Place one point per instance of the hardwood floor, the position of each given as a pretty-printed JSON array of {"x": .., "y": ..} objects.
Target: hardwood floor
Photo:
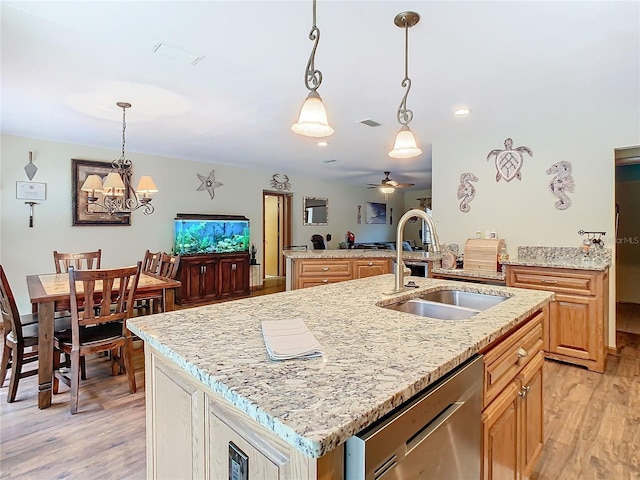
[{"x": 592, "y": 424}]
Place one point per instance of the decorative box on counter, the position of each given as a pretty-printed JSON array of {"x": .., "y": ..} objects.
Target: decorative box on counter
[{"x": 483, "y": 253}]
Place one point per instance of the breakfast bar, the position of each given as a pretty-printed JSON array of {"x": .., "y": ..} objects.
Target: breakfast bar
[{"x": 209, "y": 365}]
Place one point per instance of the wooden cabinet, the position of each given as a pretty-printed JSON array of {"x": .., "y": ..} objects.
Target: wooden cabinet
[
  {"x": 370, "y": 268},
  {"x": 512, "y": 417},
  {"x": 212, "y": 277},
  {"x": 579, "y": 316},
  {"x": 310, "y": 272},
  {"x": 190, "y": 430},
  {"x": 234, "y": 277}
]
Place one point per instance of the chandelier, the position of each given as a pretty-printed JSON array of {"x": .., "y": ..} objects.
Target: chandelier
[
  {"x": 312, "y": 121},
  {"x": 405, "y": 145},
  {"x": 118, "y": 195}
]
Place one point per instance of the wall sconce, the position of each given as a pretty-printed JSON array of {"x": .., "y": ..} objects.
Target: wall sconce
[
  {"x": 312, "y": 121},
  {"x": 405, "y": 145},
  {"x": 118, "y": 193}
]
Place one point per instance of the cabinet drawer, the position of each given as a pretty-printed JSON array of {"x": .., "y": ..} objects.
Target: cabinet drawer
[
  {"x": 504, "y": 361},
  {"x": 315, "y": 281},
  {"x": 325, "y": 269},
  {"x": 558, "y": 280}
]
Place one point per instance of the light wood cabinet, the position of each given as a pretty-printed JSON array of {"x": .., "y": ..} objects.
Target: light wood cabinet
[
  {"x": 190, "y": 430},
  {"x": 512, "y": 417},
  {"x": 579, "y": 316},
  {"x": 310, "y": 272}
]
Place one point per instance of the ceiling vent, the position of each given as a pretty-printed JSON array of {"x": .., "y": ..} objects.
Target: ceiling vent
[
  {"x": 177, "y": 53},
  {"x": 369, "y": 123}
]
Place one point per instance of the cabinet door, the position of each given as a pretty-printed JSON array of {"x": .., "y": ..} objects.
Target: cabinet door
[
  {"x": 573, "y": 326},
  {"x": 369, "y": 268},
  {"x": 208, "y": 280},
  {"x": 191, "y": 281},
  {"x": 531, "y": 415},
  {"x": 234, "y": 276},
  {"x": 500, "y": 435}
]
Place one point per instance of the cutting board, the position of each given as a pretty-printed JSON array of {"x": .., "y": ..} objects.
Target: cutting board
[{"x": 482, "y": 254}]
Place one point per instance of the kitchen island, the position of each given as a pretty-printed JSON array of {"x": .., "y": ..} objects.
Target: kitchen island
[{"x": 208, "y": 374}]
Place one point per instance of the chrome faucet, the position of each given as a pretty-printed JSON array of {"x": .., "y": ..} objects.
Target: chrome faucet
[{"x": 399, "y": 287}]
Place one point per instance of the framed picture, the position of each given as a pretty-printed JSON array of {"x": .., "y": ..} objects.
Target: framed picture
[
  {"x": 376, "y": 213},
  {"x": 94, "y": 215},
  {"x": 31, "y": 191}
]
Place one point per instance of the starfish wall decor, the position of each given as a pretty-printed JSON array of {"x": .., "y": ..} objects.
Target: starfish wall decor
[{"x": 209, "y": 183}]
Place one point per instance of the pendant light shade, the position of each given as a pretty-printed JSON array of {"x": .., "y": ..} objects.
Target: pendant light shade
[
  {"x": 313, "y": 118},
  {"x": 312, "y": 121},
  {"x": 405, "y": 145}
]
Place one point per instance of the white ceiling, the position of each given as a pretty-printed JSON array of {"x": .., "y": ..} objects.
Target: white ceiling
[{"x": 66, "y": 63}]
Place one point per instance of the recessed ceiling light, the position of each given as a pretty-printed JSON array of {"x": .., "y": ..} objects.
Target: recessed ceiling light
[
  {"x": 462, "y": 111},
  {"x": 322, "y": 143}
]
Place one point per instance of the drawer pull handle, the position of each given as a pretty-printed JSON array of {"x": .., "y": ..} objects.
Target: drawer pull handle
[
  {"x": 549, "y": 281},
  {"x": 524, "y": 391},
  {"x": 325, "y": 269},
  {"x": 370, "y": 264},
  {"x": 325, "y": 281},
  {"x": 522, "y": 354}
]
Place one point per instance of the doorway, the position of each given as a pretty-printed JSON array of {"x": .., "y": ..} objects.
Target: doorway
[
  {"x": 627, "y": 183},
  {"x": 276, "y": 214}
]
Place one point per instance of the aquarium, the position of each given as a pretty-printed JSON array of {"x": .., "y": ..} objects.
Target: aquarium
[{"x": 194, "y": 234}]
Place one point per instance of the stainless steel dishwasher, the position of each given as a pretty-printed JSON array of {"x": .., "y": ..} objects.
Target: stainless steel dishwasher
[{"x": 436, "y": 435}]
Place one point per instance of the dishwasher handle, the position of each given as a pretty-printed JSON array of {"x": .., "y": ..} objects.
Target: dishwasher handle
[{"x": 432, "y": 426}]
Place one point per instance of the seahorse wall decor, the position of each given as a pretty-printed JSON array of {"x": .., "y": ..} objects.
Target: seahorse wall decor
[
  {"x": 509, "y": 161},
  {"x": 466, "y": 191},
  {"x": 561, "y": 183}
]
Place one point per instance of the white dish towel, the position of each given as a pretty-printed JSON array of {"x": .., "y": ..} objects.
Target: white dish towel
[{"x": 290, "y": 338}]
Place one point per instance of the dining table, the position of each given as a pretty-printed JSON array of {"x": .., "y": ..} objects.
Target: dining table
[{"x": 49, "y": 293}]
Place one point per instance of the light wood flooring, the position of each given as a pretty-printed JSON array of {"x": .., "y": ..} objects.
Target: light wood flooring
[{"x": 592, "y": 424}]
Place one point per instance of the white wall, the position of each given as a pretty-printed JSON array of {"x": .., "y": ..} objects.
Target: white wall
[
  {"x": 25, "y": 251},
  {"x": 523, "y": 211}
]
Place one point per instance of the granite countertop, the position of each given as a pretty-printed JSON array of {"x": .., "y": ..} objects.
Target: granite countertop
[
  {"x": 374, "y": 358},
  {"x": 360, "y": 253},
  {"x": 461, "y": 272},
  {"x": 562, "y": 257}
]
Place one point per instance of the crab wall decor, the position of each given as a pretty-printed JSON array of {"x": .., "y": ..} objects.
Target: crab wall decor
[
  {"x": 509, "y": 161},
  {"x": 561, "y": 183},
  {"x": 280, "y": 182},
  {"x": 466, "y": 191},
  {"x": 209, "y": 184}
]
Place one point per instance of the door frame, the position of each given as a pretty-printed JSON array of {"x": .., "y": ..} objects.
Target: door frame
[{"x": 285, "y": 216}]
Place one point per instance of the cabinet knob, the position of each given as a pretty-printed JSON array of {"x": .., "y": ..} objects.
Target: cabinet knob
[
  {"x": 325, "y": 269},
  {"x": 233, "y": 266}
]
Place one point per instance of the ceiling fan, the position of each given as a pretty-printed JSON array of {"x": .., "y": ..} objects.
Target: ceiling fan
[{"x": 387, "y": 185}]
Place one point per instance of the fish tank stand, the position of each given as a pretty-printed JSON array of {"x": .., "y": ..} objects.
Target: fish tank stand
[{"x": 214, "y": 262}]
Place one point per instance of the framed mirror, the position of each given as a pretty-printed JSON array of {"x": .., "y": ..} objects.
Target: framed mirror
[{"x": 315, "y": 211}]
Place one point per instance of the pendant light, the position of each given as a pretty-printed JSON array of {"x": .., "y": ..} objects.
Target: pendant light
[
  {"x": 405, "y": 145},
  {"x": 312, "y": 121}
]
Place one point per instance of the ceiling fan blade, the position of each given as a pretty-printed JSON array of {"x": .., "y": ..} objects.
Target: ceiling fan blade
[{"x": 404, "y": 185}]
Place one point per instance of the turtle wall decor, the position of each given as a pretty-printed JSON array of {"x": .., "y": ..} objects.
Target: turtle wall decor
[
  {"x": 466, "y": 191},
  {"x": 509, "y": 161},
  {"x": 561, "y": 183}
]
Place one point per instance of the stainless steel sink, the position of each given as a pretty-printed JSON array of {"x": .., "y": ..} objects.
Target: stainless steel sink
[
  {"x": 476, "y": 301},
  {"x": 425, "y": 308},
  {"x": 448, "y": 304}
]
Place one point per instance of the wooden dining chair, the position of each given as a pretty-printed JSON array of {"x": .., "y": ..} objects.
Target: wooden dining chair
[
  {"x": 169, "y": 266},
  {"x": 79, "y": 261},
  {"x": 101, "y": 324},
  {"x": 20, "y": 345},
  {"x": 151, "y": 262}
]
